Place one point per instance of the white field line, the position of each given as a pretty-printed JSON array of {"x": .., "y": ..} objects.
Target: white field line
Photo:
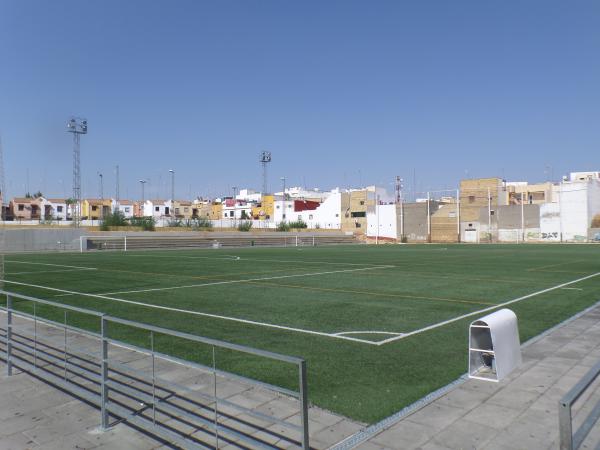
[
  {"x": 241, "y": 258},
  {"x": 52, "y": 265},
  {"x": 49, "y": 271},
  {"x": 500, "y": 305},
  {"x": 198, "y": 313},
  {"x": 217, "y": 283},
  {"x": 344, "y": 333},
  {"x": 572, "y": 289}
]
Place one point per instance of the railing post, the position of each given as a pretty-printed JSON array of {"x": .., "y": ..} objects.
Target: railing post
[
  {"x": 153, "y": 379},
  {"x": 215, "y": 396},
  {"x": 303, "y": 387},
  {"x": 34, "y": 336},
  {"x": 125, "y": 243},
  {"x": 9, "y": 306},
  {"x": 104, "y": 372},
  {"x": 65, "y": 350},
  {"x": 565, "y": 426}
]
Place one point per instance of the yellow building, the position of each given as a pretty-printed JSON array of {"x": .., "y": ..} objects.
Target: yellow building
[
  {"x": 94, "y": 209},
  {"x": 216, "y": 210},
  {"x": 266, "y": 208}
]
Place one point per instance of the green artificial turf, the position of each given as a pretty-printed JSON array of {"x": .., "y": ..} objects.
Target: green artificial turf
[{"x": 336, "y": 289}]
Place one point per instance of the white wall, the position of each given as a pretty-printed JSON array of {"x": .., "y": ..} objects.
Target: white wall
[
  {"x": 550, "y": 226},
  {"x": 573, "y": 199},
  {"x": 384, "y": 219},
  {"x": 326, "y": 216}
]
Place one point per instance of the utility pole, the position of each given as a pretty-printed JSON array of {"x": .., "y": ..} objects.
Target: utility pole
[
  {"x": 2, "y": 195},
  {"x": 172, "y": 172},
  {"x": 400, "y": 201},
  {"x": 117, "y": 199},
  {"x": 283, "y": 199},
  {"x": 77, "y": 127},
  {"x": 489, "y": 214}
]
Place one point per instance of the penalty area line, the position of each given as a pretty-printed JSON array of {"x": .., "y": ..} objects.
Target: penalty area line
[
  {"x": 491, "y": 308},
  {"x": 198, "y": 313}
]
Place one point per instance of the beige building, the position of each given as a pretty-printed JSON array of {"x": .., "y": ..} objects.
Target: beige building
[
  {"x": 529, "y": 194},
  {"x": 480, "y": 193},
  {"x": 355, "y": 204}
]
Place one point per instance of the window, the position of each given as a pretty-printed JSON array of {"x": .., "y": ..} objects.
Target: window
[
  {"x": 492, "y": 212},
  {"x": 299, "y": 217},
  {"x": 176, "y": 210},
  {"x": 277, "y": 206},
  {"x": 230, "y": 213},
  {"x": 127, "y": 210},
  {"x": 358, "y": 214},
  {"x": 289, "y": 206},
  {"x": 310, "y": 217},
  {"x": 284, "y": 216},
  {"x": 337, "y": 215},
  {"x": 357, "y": 224},
  {"x": 471, "y": 199},
  {"x": 94, "y": 208},
  {"x": 59, "y": 208},
  {"x": 186, "y": 209},
  {"x": 156, "y": 208},
  {"x": 362, "y": 202},
  {"x": 21, "y": 207}
]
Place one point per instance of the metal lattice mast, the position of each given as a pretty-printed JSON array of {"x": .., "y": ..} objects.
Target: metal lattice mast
[
  {"x": 265, "y": 158},
  {"x": 78, "y": 127}
]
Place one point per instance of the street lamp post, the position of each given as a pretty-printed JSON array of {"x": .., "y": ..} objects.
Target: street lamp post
[
  {"x": 143, "y": 183},
  {"x": 101, "y": 186}
]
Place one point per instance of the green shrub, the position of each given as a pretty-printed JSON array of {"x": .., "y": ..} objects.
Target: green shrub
[
  {"x": 200, "y": 223},
  {"x": 113, "y": 219},
  {"x": 175, "y": 223},
  {"x": 283, "y": 226},
  {"x": 145, "y": 223},
  {"x": 298, "y": 224},
  {"x": 245, "y": 226}
]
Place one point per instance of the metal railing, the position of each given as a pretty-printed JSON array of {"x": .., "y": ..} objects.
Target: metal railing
[
  {"x": 142, "y": 397},
  {"x": 568, "y": 440}
]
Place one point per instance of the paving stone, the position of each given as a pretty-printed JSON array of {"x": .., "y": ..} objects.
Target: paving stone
[
  {"x": 436, "y": 417},
  {"x": 404, "y": 435},
  {"x": 492, "y": 415},
  {"x": 465, "y": 434}
]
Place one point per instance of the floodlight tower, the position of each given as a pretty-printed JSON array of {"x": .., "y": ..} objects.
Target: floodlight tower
[
  {"x": 77, "y": 126},
  {"x": 265, "y": 158}
]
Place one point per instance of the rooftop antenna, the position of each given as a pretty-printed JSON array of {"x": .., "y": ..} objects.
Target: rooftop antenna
[
  {"x": 265, "y": 158},
  {"x": 77, "y": 126},
  {"x": 398, "y": 189}
]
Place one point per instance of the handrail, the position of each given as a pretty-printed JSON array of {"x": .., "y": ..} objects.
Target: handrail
[
  {"x": 568, "y": 440},
  {"x": 105, "y": 361}
]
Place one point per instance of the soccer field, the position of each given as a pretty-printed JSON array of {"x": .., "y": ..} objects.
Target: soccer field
[{"x": 379, "y": 326}]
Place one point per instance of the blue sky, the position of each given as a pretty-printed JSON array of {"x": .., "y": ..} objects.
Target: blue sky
[{"x": 341, "y": 92}]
